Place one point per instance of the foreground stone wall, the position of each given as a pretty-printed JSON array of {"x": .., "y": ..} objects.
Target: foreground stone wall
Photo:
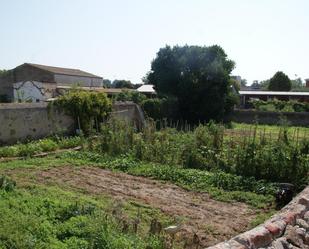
[
  {"x": 250, "y": 117},
  {"x": 31, "y": 121},
  {"x": 21, "y": 121},
  {"x": 287, "y": 229}
]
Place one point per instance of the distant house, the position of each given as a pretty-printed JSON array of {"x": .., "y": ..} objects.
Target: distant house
[
  {"x": 35, "y": 83},
  {"x": 147, "y": 90}
]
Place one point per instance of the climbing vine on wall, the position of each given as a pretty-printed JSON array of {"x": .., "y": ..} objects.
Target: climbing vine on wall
[{"x": 87, "y": 108}]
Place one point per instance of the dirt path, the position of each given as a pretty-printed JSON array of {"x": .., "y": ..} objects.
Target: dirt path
[{"x": 212, "y": 220}]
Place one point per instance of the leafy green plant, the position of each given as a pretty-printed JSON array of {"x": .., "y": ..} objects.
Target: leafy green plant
[
  {"x": 88, "y": 108},
  {"x": 6, "y": 183},
  {"x": 276, "y": 105}
]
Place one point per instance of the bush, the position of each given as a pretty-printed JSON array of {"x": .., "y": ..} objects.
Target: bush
[
  {"x": 42, "y": 145},
  {"x": 152, "y": 108},
  {"x": 134, "y": 96},
  {"x": 280, "y": 106},
  {"x": 6, "y": 183},
  {"x": 88, "y": 108},
  {"x": 279, "y": 160}
]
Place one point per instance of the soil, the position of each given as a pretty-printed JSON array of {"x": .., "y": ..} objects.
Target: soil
[{"x": 212, "y": 221}]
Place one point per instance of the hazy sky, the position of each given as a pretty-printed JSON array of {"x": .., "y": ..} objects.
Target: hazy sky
[{"x": 119, "y": 39}]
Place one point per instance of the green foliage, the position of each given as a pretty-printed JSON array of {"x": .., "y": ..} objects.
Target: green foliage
[
  {"x": 276, "y": 105},
  {"x": 42, "y": 145},
  {"x": 50, "y": 218},
  {"x": 86, "y": 107},
  {"x": 153, "y": 108},
  {"x": 122, "y": 84},
  {"x": 161, "y": 108},
  {"x": 220, "y": 185},
  {"x": 207, "y": 148},
  {"x": 198, "y": 77},
  {"x": 6, "y": 183},
  {"x": 134, "y": 96},
  {"x": 280, "y": 82},
  {"x": 107, "y": 83}
]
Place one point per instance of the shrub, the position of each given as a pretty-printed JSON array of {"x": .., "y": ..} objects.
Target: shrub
[
  {"x": 88, "y": 108},
  {"x": 152, "y": 108},
  {"x": 206, "y": 147},
  {"x": 6, "y": 183},
  {"x": 134, "y": 96},
  {"x": 280, "y": 106}
]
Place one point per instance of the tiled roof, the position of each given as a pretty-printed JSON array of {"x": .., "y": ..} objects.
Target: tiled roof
[{"x": 64, "y": 71}]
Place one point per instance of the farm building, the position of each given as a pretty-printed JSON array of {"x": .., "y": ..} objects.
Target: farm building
[
  {"x": 35, "y": 83},
  {"x": 246, "y": 96}
]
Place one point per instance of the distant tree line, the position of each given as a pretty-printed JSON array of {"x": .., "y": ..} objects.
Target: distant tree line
[
  {"x": 280, "y": 82},
  {"x": 120, "y": 84}
]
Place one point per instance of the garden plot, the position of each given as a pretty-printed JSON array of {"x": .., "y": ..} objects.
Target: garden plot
[{"x": 211, "y": 220}]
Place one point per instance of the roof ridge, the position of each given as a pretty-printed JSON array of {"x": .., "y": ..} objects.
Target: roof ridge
[{"x": 62, "y": 70}]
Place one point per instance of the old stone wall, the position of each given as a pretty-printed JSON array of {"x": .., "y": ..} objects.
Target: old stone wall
[
  {"x": 250, "y": 117},
  {"x": 31, "y": 121},
  {"x": 21, "y": 121},
  {"x": 130, "y": 112},
  {"x": 289, "y": 228}
]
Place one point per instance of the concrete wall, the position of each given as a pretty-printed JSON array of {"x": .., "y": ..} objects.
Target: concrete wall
[
  {"x": 130, "y": 112},
  {"x": 20, "y": 121},
  {"x": 31, "y": 120},
  {"x": 67, "y": 80},
  {"x": 250, "y": 117}
]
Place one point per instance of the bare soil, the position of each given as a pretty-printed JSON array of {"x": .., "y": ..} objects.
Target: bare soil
[{"x": 213, "y": 221}]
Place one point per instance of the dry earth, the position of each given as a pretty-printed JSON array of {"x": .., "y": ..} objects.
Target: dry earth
[{"x": 213, "y": 221}]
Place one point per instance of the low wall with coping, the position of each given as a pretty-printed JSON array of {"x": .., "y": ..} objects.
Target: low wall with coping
[
  {"x": 289, "y": 228},
  {"x": 272, "y": 118},
  {"x": 21, "y": 121}
]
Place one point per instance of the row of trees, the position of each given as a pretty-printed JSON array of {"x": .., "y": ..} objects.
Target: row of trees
[{"x": 120, "y": 84}]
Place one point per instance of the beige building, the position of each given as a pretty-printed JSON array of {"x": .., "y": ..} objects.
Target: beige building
[{"x": 34, "y": 83}]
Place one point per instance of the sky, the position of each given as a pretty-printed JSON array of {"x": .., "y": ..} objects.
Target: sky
[{"x": 118, "y": 39}]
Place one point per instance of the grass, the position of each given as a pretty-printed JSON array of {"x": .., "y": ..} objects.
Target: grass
[
  {"x": 294, "y": 132},
  {"x": 49, "y": 217},
  {"x": 39, "y": 146}
]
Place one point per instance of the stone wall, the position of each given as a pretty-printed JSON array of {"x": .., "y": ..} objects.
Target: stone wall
[
  {"x": 287, "y": 229},
  {"x": 31, "y": 121},
  {"x": 250, "y": 117},
  {"x": 21, "y": 121},
  {"x": 130, "y": 112}
]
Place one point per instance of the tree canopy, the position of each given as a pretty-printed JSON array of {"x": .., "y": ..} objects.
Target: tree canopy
[
  {"x": 280, "y": 82},
  {"x": 198, "y": 77},
  {"x": 123, "y": 84}
]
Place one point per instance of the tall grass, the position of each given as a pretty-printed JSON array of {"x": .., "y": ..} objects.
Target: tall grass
[
  {"x": 39, "y": 146},
  {"x": 208, "y": 147}
]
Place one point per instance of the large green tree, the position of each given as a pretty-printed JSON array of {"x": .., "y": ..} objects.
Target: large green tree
[
  {"x": 280, "y": 82},
  {"x": 198, "y": 77}
]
